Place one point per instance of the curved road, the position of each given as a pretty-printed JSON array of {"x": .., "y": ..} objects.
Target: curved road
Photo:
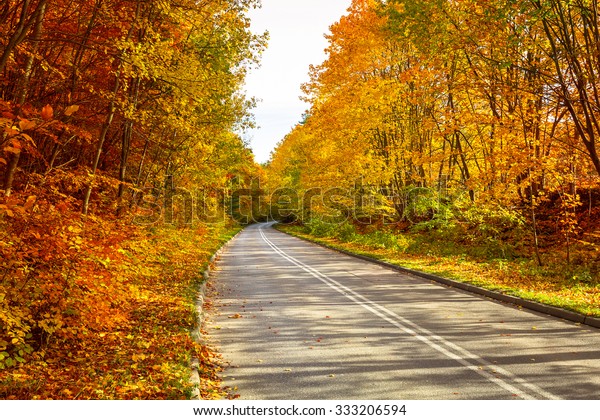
[{"x": 296, "y": 321}]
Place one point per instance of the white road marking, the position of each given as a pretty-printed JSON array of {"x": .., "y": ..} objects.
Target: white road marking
[{"x": 501, "y": 377}]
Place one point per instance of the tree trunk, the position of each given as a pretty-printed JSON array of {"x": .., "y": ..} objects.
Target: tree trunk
[
  {"x": 30, "y": 60},
  {"x": 126, "y": 141},
  {"x": 10, "y": 173},
  {"x": 26, "y": 21},
  {"x": 13, "y": 164},
  {"x": 82, "y": 46},
  {"x": 105, "y": 127}
]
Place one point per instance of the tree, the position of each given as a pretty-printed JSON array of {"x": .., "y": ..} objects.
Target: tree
[{"x": 491, "y": 101}]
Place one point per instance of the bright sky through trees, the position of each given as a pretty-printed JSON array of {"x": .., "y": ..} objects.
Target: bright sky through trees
[{"x": 296, "y": 29}]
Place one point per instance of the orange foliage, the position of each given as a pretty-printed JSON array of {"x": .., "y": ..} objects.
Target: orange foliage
[{"x": 97, "y": 308}]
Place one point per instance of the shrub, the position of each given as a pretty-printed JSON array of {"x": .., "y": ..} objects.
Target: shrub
[
  {"x": 320, "y": 228},
  {"x": 346, "y": 232}
]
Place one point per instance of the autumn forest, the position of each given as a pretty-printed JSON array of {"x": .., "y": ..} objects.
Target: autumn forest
[{"x": 458, "y": 137}]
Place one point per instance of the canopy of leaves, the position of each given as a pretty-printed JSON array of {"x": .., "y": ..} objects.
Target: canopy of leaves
[{"x": 480, "y": 99}]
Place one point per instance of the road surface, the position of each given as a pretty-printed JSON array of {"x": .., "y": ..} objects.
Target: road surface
[{"x": 296, "y": 321}]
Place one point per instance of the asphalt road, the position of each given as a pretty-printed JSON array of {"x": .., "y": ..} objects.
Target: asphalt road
[{"x": 296, "y": 321}]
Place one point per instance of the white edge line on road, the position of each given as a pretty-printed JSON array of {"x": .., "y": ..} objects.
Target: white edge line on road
[{"x": 436, "y": 342}]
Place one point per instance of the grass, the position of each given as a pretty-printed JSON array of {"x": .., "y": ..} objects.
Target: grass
[{"x": 556, "y": 284}]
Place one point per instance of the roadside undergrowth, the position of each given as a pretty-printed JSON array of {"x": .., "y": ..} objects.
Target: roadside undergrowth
[{"x": 101, "y": 309}]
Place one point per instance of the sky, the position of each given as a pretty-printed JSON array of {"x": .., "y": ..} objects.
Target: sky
[{"x": 296, "y": 40}]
